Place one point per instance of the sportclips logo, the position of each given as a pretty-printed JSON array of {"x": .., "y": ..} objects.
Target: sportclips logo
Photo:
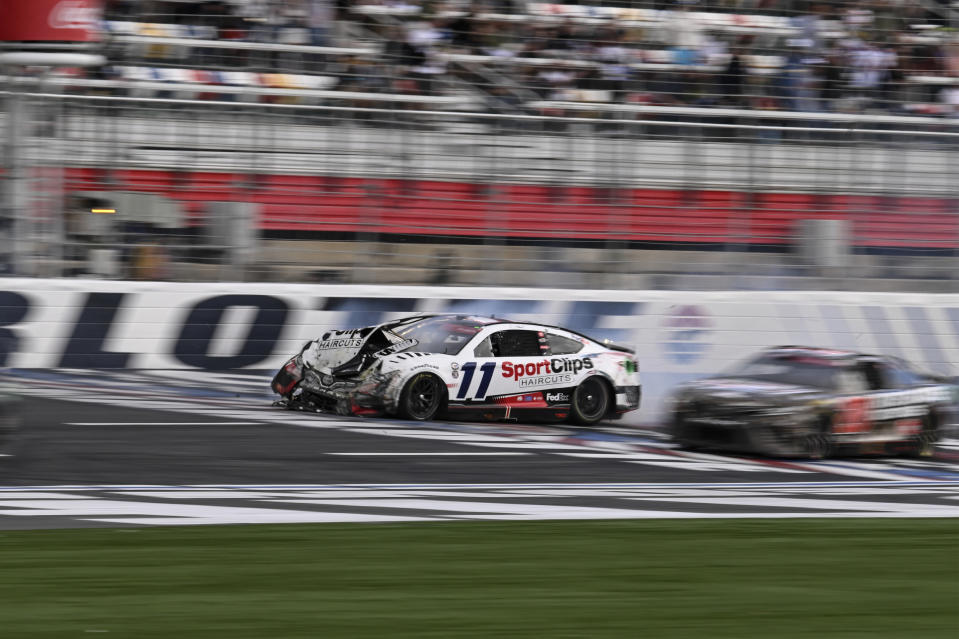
[
  {"x": 550, "y": 371},
  {"x": 74, "y": 14}
]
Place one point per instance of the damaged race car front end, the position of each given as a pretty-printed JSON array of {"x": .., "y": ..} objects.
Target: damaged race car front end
[
  {"x": 341, "y": 374},
  {"x": 327, "y": 392}
]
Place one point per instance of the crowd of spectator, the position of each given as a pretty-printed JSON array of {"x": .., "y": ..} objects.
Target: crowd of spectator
[{"x": 889, "y": 56}]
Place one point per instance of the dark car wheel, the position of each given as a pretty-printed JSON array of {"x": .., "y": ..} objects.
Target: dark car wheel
[
  {"x": 422, "y": 397},
  {"x": 9, "y": 431},
  {"x": 590, "y": 401},
  {"x": 817, "y": 443},
  {"x": 678, "y": 431},
  {"x": 923, "y": 444}
]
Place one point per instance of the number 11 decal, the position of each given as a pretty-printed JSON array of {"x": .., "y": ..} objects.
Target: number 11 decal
[{"x": 467, "y": 370}]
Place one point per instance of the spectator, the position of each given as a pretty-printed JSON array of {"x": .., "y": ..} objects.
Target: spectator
[
  {"x": 869, "y": 68},
  {"x": 828, "y": 76},
  {"x": 562, "y": 37},
  {"x": 504, "y": 100},
  {"x": 950, "y": 59},
  {"x": 499, "y": 38},
  {"x": 684, "y": 34},
  {"x": 555, "y": 82},
  {"x": 319, "y": 17},
  {"x": 879, "y": 50},
  {"x": 797, "y": 82},
  {"x": 887, "y": 20},
  {"x": 950, "y": 100},
  {"x": 614, "y": 73},
  {"x": 892, "y": 79},
  {"x": 731, "y": 80},
  {"x": 398, "y": 51},
  {"x": 267, "y": 19},
  {"x": 811, "y": 25},
  {"x": 858, "y": 19},
  {"x": 463, "y": 28}
]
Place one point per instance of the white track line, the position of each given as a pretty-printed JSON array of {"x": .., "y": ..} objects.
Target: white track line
[
  {"x": 417, "y": 454},
  {"x": 163, "y": 423}
]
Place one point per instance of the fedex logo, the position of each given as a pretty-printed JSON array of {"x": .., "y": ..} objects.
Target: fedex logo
[{"x": 516, "y": 370}]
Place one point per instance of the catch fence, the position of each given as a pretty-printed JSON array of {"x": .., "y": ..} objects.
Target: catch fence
[{"x": 599, "y": 196}]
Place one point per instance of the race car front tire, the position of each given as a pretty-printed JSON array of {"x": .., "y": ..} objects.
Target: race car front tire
[
  {"x": 422, "y": 397},
  {"x": 678, "y": 431},
  {"x": 590, "y": 401},
  {"x": 817, "y": 442}
]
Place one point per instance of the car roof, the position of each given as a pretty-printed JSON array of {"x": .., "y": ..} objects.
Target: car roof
[
  {"x": 489, "y": 320},
  {"x": 462, "y": 317},
  {"x": 815, "y": 352}
]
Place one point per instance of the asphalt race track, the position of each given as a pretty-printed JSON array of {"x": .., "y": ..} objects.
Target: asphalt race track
[{"x": 151, "y": 448}]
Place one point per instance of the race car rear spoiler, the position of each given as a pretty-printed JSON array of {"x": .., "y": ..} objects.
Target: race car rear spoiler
[
  {"x": 610, "y": 344},
  {"x": 613, "y": 346}
]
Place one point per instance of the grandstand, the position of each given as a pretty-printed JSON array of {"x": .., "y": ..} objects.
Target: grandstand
[{"x": 733, "y": 143}]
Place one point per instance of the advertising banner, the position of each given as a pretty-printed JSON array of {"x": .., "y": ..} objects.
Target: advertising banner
[
  {"x": 49, "y": 20},
  {"x": 678, "y": 335}
]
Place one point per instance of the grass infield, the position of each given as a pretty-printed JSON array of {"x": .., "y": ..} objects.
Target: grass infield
[{"x": 862, "y": 578}]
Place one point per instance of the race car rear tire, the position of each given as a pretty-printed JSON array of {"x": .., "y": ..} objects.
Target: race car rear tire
[
  {"x": 590, "y": 401},
  {"x": 923, "y": 444},
  {"x": 422, "y": 398}
]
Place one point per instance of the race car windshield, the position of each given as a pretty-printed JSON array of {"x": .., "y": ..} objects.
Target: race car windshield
[
  {"x": 813, "y": 373},
  {"x": 439, "y": 334}
]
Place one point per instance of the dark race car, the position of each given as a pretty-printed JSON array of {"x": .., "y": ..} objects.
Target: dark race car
[{"x": 795, "y": 401}]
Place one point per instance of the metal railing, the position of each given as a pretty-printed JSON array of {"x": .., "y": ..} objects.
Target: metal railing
[{"x": 629, "y": 196}]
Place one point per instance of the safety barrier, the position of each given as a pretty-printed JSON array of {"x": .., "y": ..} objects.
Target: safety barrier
[
  {"x": 317, "y": 206},
  {"x": 742, "y": 190},
  {"x": 678, "y": 335}
]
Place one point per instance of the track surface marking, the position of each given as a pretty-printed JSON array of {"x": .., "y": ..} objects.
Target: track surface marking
[{"x": 89, "y": 431}]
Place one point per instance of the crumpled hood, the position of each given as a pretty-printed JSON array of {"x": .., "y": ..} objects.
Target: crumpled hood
[
  {"x": 353, "y": 350},
  {"x": 336, "y": 347}
]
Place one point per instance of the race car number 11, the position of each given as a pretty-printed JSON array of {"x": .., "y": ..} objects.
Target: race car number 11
[{"x": 468, "y": 369}]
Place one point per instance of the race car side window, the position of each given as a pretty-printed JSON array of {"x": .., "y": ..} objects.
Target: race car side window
[
  {"x": 901, "y": 377},
  {"x": 559, "y": 345},
  {"x": 511, "y": 343},
  {"x": 852, "y": 381},
  {"x": 485, "y": 349},
  {"x": 874, "y": 376}
]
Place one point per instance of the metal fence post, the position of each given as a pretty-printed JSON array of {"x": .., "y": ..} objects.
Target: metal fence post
[{"x": 14, "y": 187}]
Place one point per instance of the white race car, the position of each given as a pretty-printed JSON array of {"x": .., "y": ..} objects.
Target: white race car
[{"x": 462, "y": 366}]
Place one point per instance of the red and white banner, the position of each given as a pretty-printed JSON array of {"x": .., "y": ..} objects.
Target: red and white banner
[{"x": 49, "y": 20}]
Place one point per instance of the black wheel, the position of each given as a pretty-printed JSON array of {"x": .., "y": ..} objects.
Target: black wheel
[
  {"x": 817, "y": 442},
  {"x": 422, "y": 397},
  {"x": 923, "y": 443},
  {"x": 590, "y": 401},
  {"x": 10, "y": 435}
]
